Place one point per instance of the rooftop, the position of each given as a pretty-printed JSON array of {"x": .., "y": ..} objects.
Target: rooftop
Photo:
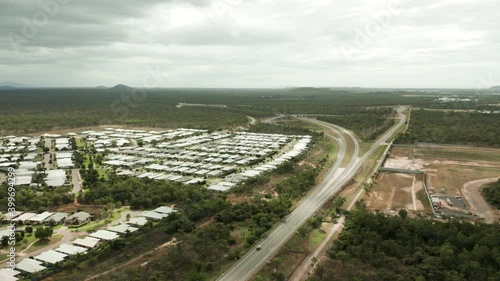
[
  {"x": 30, "y": 266},
  {"x": 71, "y": 250},
  {"x": 122, "y": 228},
  {"x": 104, "y": 235},
  {"x": 88, "y": 242},
  {"x": 51, "y": 257}
]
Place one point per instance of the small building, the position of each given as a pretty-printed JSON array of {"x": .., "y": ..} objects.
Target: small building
[
  {"x": 55, "y": 178},
  {"x": 7, "y": 274},
  {"x": 104, "y": 235},
  {"x": 30, "y": 266},
  {"x": 71, "y": 250},
  {"x": 87, "y": 242},
  {"x": 78, "y": 218},
  {"x": 138, "y": 221},
  {"x": 40, "y": 218},
  {"x": 150, "y": 215},
  {"x": 51, "y": 257},
  {"x": 436, "y": 202},
  {"x": 24, "y": 218},
  {"x": 123, "y": 228},
  {"x": 164, "y": 210},
  {"x": 57, "y": 218}
]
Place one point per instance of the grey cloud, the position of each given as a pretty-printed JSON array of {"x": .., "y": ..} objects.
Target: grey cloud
[{"x": 270, "y": 42}]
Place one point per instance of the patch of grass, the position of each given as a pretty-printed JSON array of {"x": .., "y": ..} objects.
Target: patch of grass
[
  {"x": 79, "y": 143},
  {"x": 422, "y": 196},
  {"x": 44, "y": 243},
  {"x": 59, "y": 226},
  {"x": 103, "y": 173},
  {"x": 86, "y": 160},
  {"x": 94, "y": 225},
  {"x": 349, "y": 151},
  {"x": 369, "y": 164},
  {"x": 317, "y": 236},
  {"x": 3, "y": 257},
  {"x": 470, "y": 154},
  {"x": 20, "y": 246}
]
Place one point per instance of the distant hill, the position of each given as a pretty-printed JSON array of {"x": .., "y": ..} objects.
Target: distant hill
[
  {"x": 495, "y": 88},
  {"x": 101, "y": 87},
  {"x": 121, "y": 88},
  {"x": 11, "y": 85}
]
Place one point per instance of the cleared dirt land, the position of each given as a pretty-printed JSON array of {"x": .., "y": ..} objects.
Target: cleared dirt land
[
  {"x": 449, "y": 169},
  {"x": 394, "y": 191}
]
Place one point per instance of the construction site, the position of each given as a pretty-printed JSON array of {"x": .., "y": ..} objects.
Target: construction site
[{"x": 444, "y": 181}]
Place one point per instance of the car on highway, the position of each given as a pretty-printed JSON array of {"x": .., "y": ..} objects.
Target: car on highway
[{"x": 259, "y": 247}]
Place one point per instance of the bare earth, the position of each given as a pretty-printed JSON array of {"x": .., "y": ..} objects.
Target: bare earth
[
  {"x": 404, "y": 163},
  {"x": 472, "y": 192},
  {"x": 394, "y": 191},
  {"x": 450, "y": 170}
]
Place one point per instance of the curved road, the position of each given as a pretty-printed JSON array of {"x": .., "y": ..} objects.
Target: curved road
[
  {"x": 253, "y": 259},
  {"x": 250, "y": 263}
]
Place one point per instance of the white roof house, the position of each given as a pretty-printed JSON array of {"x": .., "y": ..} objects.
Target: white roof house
[
  {"x": 22, "y": 180},
  {"x": 65, "y": 163},
  {"x": 51, "y": 257},
  {"x": 30, "y": 266},
  {"x": 55, "y": 178},
  {"x": 164, "y": 210},
  {"x": 57, "y": 217},
  {"x": 150, "y": 215},
  {"x": 139, "y": 221},
  {"x": 87, "y": 242},
  {"x": 8, "y": 275},
  {"x": 25, "y": 217},
  {"x": 122, "y": 228},
  {"x": 219, "y": 187},
  {"x": 40, "y": 217},
  {"x": 4, "y": 232},
  {"x": 104, "y": 235},
  {"x": 71, "y": 250}
]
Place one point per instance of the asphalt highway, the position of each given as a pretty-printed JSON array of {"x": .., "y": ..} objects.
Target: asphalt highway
[{"x": 336, "y": 177}]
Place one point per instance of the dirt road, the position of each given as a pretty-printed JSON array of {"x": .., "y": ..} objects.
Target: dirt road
[
  {"x": 472, "y": 193},
  {"x": 305, "y": 266},
  {"x": 167, "y": 244}
]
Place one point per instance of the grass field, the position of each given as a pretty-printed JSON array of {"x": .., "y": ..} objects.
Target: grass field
[
  {"x": 21, "y": 245},
  {"x": 44, "y": 243},
  {"x": 459, "y": 153},
  {"x": 103, "y": 173},
  {"x": 316, "y": 237},
  {"x": 96, "y": 224},
  {"x": 79, "y": 143}
]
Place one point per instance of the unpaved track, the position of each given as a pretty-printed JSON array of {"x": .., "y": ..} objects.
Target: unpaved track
[
  {"x": 167, "y": 244},
  {"x": 391, "y": 198},
  {"x": 472, "y": 193},
  {"x": 299, "y": 273},
  {"x": 413, "y": 194}
]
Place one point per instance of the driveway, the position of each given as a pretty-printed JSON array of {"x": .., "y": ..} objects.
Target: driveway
[{"x": 75, "y": 177}]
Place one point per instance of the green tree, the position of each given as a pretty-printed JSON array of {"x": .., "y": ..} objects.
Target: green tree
[
  {"x": 403, "y": 213},
  {"x": 43, "y": 232}
]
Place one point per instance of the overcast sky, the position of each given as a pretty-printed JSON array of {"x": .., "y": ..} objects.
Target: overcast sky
[{"x": 251, "y": 43}]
